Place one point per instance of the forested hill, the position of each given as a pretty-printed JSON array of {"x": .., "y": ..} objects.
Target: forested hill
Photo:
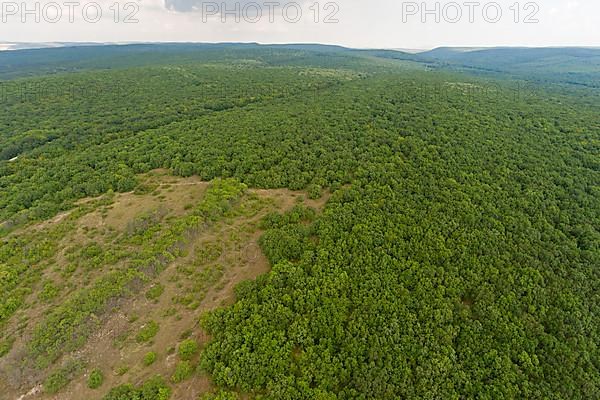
[
  {"x": 452, "y": 249},
  {"x": 570, "y": 65},
  {"x": 32, "y": 62}
]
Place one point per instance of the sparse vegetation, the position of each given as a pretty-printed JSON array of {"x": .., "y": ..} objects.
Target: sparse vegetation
[
  {"x": 69, "y": 325},
  {"x": 6, "y": 345},
  {"x": 61, "y": 377},
  {"x": 49, "y": 292}
]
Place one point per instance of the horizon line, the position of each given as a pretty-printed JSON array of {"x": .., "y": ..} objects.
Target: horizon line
[{"x": 6, "y": 45}]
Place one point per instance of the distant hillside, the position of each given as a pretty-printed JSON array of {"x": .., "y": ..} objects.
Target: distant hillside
[
  {"x": 43, "y": 61},
  {"x": 572, "y": 65}
]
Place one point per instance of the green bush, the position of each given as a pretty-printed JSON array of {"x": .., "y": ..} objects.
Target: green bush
[
  {"x": 95, "y": 379},
  {"x": 187, "y": 349},
  {"x": 149, "y": 358},
  {"x": 155, "y": 292},
  {"x": 183, "y": 371},
  {"x": 147, "y": 332},
  {"x": 153, "y": 389},
  {"x": 314, "y": 192}
]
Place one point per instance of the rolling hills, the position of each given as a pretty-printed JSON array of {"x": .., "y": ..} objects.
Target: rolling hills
[{"x": 297, "y": 222}]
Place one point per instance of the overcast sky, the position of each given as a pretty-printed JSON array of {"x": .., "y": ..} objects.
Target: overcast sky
[{"x": 354, "y": 23}]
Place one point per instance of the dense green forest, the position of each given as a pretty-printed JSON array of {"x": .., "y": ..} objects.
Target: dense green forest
[{"x": 458, "y": 256}]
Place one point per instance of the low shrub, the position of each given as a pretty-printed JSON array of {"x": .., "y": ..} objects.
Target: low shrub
[
  {"x": 147, "y": 332},
  {"x": 95, "y": 379},
  {"x": 187, "y": 349},
  {"x": 183, "y": 371},
  {"x": 149, "y": 358}
]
